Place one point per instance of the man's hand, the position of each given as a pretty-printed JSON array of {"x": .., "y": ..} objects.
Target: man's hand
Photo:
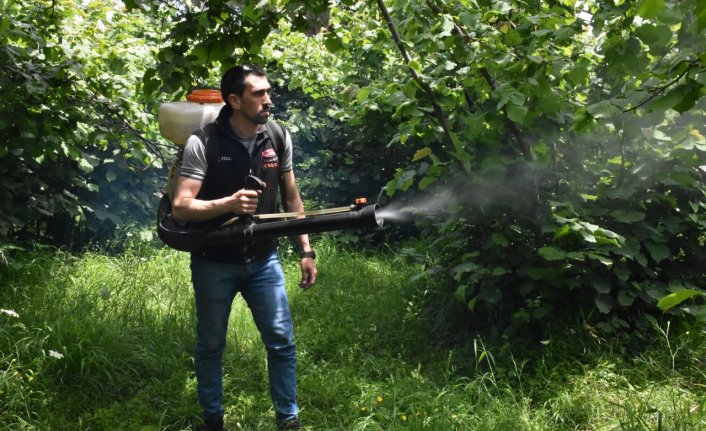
[
  {"x": 187, "y": 208},
  {"x": 244, "y": 201},
  {"x": 309, "y": 271}
]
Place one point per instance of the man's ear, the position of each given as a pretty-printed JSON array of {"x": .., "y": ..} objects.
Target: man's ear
[{"x": 234, "y": 101}]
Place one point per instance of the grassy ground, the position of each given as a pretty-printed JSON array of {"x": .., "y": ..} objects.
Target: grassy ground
[{"x": 94, "y": 342}]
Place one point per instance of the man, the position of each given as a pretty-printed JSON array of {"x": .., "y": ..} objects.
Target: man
[{"x": 210, "y": 193}]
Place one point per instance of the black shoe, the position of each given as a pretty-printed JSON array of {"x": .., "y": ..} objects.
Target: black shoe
[
  {"x": 209, "y": 424},
  {"x": 291, "y": 424}
]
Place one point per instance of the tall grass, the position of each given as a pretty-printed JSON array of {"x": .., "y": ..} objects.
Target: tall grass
[{"x": 101, "y": 342}]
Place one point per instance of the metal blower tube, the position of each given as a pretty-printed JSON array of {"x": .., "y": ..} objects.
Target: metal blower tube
[{"x": 364, "y": 218}]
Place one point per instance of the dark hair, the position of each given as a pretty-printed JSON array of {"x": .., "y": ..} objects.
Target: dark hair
[{"x": 233, "y": 80}]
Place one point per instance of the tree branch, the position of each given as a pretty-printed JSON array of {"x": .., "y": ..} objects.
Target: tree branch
[
  {"x": 660, "y": 90},
  {"x": 439, "y": 113},
  {"x": 514, "y": 130}
]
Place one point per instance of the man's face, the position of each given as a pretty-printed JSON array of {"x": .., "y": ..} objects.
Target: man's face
[{"x": 255, "y": 103}]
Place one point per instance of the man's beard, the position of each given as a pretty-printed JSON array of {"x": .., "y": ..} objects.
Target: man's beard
[{"x": 258, "y": 118}]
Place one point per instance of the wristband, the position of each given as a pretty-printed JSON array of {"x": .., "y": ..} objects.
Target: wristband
[{"x": 311, "y": 254}]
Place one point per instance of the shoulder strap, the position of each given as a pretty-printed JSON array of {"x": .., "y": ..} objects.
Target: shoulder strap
[
  {"x": 204, "y": 134},
  {"x": 277, "y": 133}
]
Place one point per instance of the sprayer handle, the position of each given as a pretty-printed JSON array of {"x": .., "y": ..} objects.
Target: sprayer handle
[{"x": 254, "y": 183}]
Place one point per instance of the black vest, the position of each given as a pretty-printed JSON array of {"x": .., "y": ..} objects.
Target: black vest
[{"x": 229, "y": 163}]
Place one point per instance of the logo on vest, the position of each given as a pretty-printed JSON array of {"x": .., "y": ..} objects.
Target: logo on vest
[
  {"x": 269, "y": 159},
  {"x": 225, "y": 159}
]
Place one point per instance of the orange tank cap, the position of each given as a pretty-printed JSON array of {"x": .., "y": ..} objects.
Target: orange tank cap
[
  {"x": 361, "y": 201},
  {"x": 205, "y": 95}
]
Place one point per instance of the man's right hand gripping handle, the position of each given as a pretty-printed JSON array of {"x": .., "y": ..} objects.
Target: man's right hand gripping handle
[{"x": 245, "y": 200}]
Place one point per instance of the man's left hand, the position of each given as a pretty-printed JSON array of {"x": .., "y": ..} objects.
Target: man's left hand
[{"x": 308, "y": 266}]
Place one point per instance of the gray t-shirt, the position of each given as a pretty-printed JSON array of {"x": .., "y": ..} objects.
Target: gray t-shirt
[{"x": 194, "y": 163}]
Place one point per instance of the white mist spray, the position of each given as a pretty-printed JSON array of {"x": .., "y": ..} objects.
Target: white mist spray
[
  {"x": 459, "y": 196},
  {"x": 433, "y": 205}
]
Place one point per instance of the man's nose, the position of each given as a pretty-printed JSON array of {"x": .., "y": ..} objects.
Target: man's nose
[{"x": 267, "y": 100}]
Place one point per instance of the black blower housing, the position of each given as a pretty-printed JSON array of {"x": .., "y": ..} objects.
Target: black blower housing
[{"x": 180, "y": 237}]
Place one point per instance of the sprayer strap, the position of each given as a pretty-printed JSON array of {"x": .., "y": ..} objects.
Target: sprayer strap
[{"x": 295, "y": 214}]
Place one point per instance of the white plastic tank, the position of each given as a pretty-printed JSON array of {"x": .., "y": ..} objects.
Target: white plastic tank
[{"x": 178, "y": 120}]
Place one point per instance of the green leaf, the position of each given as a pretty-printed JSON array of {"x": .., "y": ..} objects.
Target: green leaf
[
  {"x": 588, "y": 237},
  {"x": 604, "y": 303},
  {"x": 622, "y": 272},
  {"x": 691, "y": 92},
  {"x": 625, "y": 299},
  {"x": 582, "y": 121},
  {"x": 500, "y": 239},
  {"x": 415, "y": 65},
  {"x": 601, "y": 286},
  {"x": 405, "y": 181},
  {"x": 601, "y": 240},
  {"x": 516, "y": 113},
  {"x": 85, "y": 166},
  {"x": 627, "y": 216},
  {"x": 111, "y": 175},
  {"x": 333, "y": 43},
  {"x": 460, "y": 293},
  {"x": 201, "y": 51},
  {"x": 426, "y": 182},
  {"x": 603, "y": 109},
  {"x": 701, "y": 14},
  {"x": 470, "y": 19},
  {"x": 420, "y": 154},
  {"x": 656, "y": 37},
  {"x": 667, "y": 101},
  {"x": 499, "y": 271},
  {"x": 684, "y": 179},
  {"x": 658, "y": 251},
  {"x": 390, "y": 187},
  {"x": 578, "y": 75},
  {"x": 463, "y": 268},
  {"x": 562, "y": 232},
  {"x": 363, "y": 94},
  {"x": 676, "y": 298},
  {"x": 446, "y": 27},
  {"x": 472, "y": 303},
  {"x": 552, "y": 253},
  {"x": 655, "y": 291},
  {"x": 601, "y": 258},
  {"x": 650, "y": 8}
]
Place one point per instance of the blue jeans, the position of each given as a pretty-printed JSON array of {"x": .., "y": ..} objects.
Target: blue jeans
[{"x": 261, "y": 283}]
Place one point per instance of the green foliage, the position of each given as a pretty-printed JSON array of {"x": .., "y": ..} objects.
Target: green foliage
[
  {"x": 605, "y": 214},
  {"x": 74, "y": 140},
  {"x": 341, "y": 146}
]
